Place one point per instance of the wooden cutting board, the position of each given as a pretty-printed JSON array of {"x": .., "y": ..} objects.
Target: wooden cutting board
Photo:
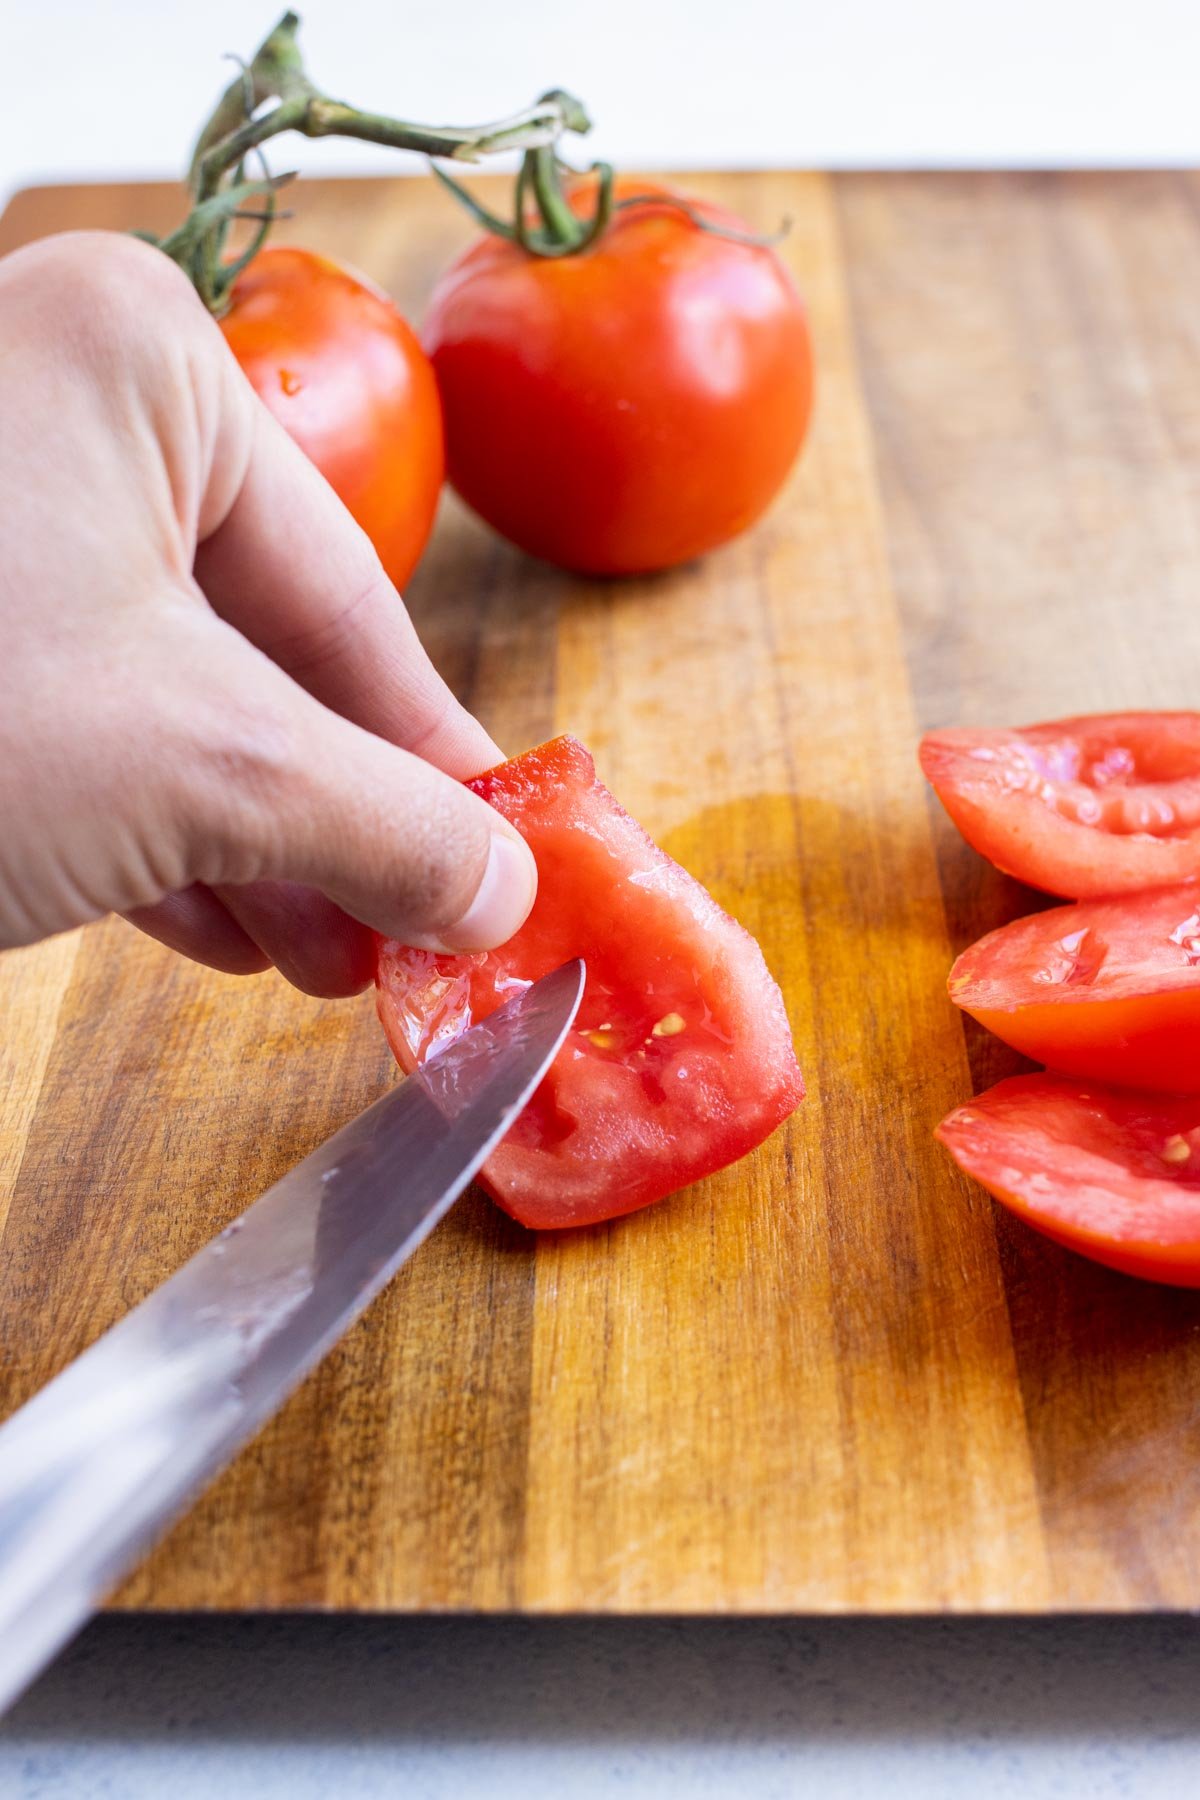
[{"x": 834, "y": 1378}]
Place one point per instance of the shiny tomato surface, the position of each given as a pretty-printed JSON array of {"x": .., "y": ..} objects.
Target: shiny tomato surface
[
  {"x": 1108, "y": 988},
  {"x": 629, "y": 407},
  {"x": 348, "y": 379},
  {"x": 1081, "y": 807},
  {"x": 1112, "y": 1174},
  {"x": 681, "y": 1058}
]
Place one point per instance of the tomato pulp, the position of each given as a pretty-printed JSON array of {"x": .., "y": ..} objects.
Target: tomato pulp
[
  {"x": 1108, "y": 988},
  {"x": 1080, "y": 807},
  {"x": 680, "y": 1060},
  {"x": 1113, "y": 1175},
  {"x": 347, "y": 378},
  {"x": 628, "y": 407}
]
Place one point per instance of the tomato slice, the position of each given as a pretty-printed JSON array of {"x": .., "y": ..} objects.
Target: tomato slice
[
  {"x": 1109, "y": 989},
  {"x": 1113, "y": 1175},
  {"x": 680, "y": 1060},
  {"x": 1081, "y": 807}
]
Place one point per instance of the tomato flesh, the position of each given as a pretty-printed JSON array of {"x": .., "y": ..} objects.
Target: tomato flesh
[
  {"x": 629, "y": 407},
  {"x": 1082, "y": 807},
  {"x": 681, "y": 1058},
  {"x": 346, "y": 377},
  {"x": 1107, "y": 988},
  {"x": 1111, "y": 1174}
]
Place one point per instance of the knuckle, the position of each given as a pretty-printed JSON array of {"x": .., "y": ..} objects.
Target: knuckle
[
  {"x": 430, "y": 714},
  {"x": 100, "y": 284},
  {"x": 333, "y": 638}
]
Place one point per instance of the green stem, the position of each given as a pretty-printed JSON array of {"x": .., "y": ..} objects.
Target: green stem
[
  {"x": 276, "y": 72},
  {"x": 276, "y": 68},
  {"x": 314, "y": 115},
  {"x": 227, "y": 152},
  {"x": 239, "y": 126},
  {"x": 490, "y": 221},
  {"x": 556, "y": 229},
  {"x": 561, "y": 224}
]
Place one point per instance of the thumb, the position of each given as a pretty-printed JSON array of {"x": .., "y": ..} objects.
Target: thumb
[{"x": 281, "y": 789}]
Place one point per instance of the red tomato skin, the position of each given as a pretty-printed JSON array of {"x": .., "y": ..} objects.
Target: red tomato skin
[
  {"x": 1107, "y": 803},
  {"x": 628, "y": 408},
  {"x": 1106, "y": 989},
  {"x": 1092, "y": 1167},
  {"x": 628, "y": 1113},
  {"x": 346, "y": 377}
]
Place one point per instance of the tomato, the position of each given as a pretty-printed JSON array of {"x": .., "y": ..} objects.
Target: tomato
[
  {"x": 1080, "y": 807},
  {"x": 1113, "y": 1175},
  {"x": 1108, "y": 988},
  {"x": 681, "y": 1058},
  {"x": 348, "y": 379},
  {"x": 628, "y": 407}
]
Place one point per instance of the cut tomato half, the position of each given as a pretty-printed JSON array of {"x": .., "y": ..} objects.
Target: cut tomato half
[
  {"x": 680, "y": 1060},
  {"x": 1080, "y": 807},
  {"x": 1113, "y": 1175},
  {"x": 1108, "y": 989}
]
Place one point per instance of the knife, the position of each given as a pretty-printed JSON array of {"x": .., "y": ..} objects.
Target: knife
[{"x": 99, "y": 1462}]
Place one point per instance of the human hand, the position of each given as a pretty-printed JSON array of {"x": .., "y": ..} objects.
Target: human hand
[{"x": 215, "y": 715}]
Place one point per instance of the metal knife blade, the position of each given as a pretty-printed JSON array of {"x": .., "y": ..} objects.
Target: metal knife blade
[{"x": 95, "y": 1466}]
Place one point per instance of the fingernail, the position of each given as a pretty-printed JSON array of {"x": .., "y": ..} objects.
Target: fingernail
[{"x": 503, "y": 900}]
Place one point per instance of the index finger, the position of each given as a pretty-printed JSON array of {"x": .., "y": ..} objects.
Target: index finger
[{"x": 288, "y": 567}]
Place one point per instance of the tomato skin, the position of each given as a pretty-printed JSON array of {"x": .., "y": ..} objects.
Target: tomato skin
[
  {"x": 347, "y": 378},
  {"x": 627, "y": 408},
  {"x": 1082, "y": 807},
  {"x": 1108, "y": 989},
  {"x": 1112, "y": 1175},
  {"x": 680, "y": 1060}
]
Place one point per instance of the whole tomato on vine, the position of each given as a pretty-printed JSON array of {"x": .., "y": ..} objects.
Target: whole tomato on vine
[
  {"x": 346, "y": 376},
  {"x": 626, "y": 379},
  {"x": 327, "y": 351}
]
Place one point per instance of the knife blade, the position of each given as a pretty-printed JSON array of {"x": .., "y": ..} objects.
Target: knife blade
[{"x": 97, "y": 1464}]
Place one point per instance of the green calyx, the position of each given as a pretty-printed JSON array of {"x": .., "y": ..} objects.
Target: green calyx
[
  {"x": 545, "y": 224},
  {"x": 273, "y": 94}
]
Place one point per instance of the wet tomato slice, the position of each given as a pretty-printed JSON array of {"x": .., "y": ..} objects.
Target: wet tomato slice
[
  {"x": 1081, "y": 807},
  {"x": 681, "y": 1058},
  {"x": 1111, "y": 1174},
  {"x": 1108, "y": 989}
]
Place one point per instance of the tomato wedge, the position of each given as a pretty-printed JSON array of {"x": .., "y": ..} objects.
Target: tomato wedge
[
  {"x": 681, "y": 1057},
  {"x": 1113, "y": 1175},
  {"x": 1080, "y": 807},
  {"x": 1109, "y": 989}
]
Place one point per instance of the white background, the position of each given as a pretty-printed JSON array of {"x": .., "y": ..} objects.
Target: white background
[{"x": 115, "y": 87}]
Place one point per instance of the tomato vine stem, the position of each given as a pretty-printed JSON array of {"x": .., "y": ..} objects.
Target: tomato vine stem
[
  {"x": 273, "y": 94},
  {"x": 544, "y": 223}
]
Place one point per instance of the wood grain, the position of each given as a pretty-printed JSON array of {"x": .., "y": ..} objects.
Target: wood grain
[
  {"x": 1031, "y": 361},
  {"x": 834, "y": 1378}
]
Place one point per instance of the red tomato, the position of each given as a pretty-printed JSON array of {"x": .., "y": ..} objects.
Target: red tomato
[
  {"x": 1080, "y": 807},
  {"x": 348, "y": 379},
  {"x": 1108, "y": 989},
  {"x": 1113, "y": 1175},
  {"x": 629, "y": 407},
  {"x": 680, "y": 1060}
]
